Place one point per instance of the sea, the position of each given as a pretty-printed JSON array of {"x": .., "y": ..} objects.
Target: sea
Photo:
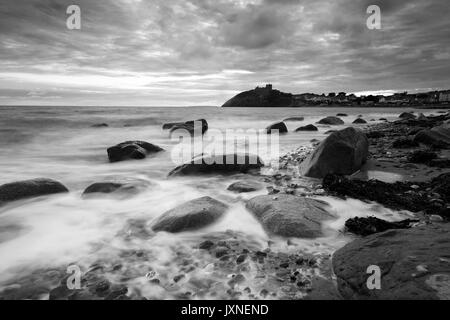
[{"x": 63, "y": 144}]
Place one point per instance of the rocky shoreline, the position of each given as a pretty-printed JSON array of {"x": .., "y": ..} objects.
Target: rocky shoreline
[{"x": 415, "y": 147}]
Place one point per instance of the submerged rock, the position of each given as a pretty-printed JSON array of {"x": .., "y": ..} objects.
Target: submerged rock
[
  {"x": 413, "y": 264},
  {"x": 331, "y": 121},
  {"x": 280, "y": 126},
  {"x": 371, "y": 225},
  {"x": 289, "y": 216},
  {"x": 131, "y": 150},
  {"x": 294, "y": 119},
  {"x": 309, "y": 127},
  {"x": 343, "y": 152},
  {"x": 342, "y": 115},
  {"x": 360, "y": 121},
  {"x": 191, "y": 215},
  {"x": 114, "y": 187},
  {"x": 220, "y": 164},
  {"x": 29, "y": 188},
  {"x": 245, "y": 186}
]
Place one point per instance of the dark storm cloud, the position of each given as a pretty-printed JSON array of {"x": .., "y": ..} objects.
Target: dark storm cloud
[{"x": 203, "y": 51}]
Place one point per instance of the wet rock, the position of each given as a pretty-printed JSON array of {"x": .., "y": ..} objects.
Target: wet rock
[
  {"x": 131, "y": 150},
  {"x": 371, "y": 225},
  {"x": 331, "y": 121},
  {"x": 220, "y": 164},
  {"x": 343, "y": 152},
  {"x": 29, "y": 189},
  {"x": 409, "y": 260},
  {"x": 404, "y": 143},
  {"x": 407, "y": 115},
  {"x": 191, "y": 215},
  {"x": 359, "y": 121},
  {"x": 309, "y": 127},
  {"x": 289, "y": 216},
  {"x": 421, "y": 156},
  {"x": 110, "y": 187},
  {"x": 188, "y": 125},
  {"x": 206, "y": 245},
  {"x": 280, "y": 126},
  {"x": 245, "y": 186},
  {"x": 438, "y": 137},
  {"x": 241, "y": 258}
]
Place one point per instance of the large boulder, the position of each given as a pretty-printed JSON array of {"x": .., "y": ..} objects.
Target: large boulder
[
  {"x": 289, "y": 216},
  {"x": 131, "y": 150},
  {"x": 342, "y": 152},
  {"x": 413, "y": 263},
  {"x": 29, "y": 189},
  {"x": 436, "y": 137},
  {"x": 331, "y": 121},
  {"x": 309, "y": 127},
  {"x": 191, "y": 215},
  {"x": 122, "y": 188},
  {"x": 219, "y": 164},
  {"x": 280, "y": 126}
]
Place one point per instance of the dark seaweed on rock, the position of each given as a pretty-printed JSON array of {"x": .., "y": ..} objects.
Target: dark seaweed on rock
[
  {"x": 370, "y": 225},
  {"x": 397, "y": 196}
]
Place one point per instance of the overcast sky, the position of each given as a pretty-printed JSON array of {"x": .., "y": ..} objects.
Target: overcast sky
[{"x": 202, "y": 52}]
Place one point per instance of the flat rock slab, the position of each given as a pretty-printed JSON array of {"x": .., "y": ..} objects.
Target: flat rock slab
[
  {"x": 29, "y": 189},
  {"x": 245, "y": 186},
  {"x": 414, "y": 264},
  {"x": 191, "y": 215},
  {"x": 290, "y": 216}
]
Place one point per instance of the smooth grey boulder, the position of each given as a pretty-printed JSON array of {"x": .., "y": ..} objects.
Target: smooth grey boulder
[
  {"x": 414, "y": 264},
  {"x": 289, "y": 216},
  {"x": 245, "y": 186},
  {"x": 123, "y": 188},
  {"x": 436, "y": 137},
  {"x": 342, "y": 152},
  {"x": 30, "y": 188},
  {"x": 191, "y": 215},
  {"x": 280, "y": 126},
  {"x": 131, "y": 150},
  {"x": 220, "y": 164},
  {"x": 331, "y": 121}
]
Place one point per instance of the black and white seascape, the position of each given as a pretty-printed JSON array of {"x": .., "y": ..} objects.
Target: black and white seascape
[{"x": 230, "y": 149}]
